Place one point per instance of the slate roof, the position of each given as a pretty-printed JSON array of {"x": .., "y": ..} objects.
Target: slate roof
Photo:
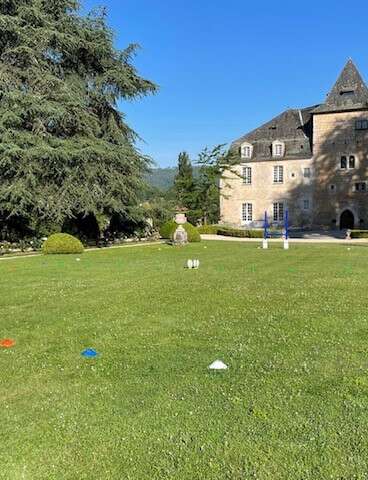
[
  {"x": 349, "y": 92},
  {"x": 293, "y": 127}
]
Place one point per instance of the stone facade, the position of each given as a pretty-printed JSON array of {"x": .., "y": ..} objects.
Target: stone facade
[
  {"x": 312, "y": 162},
  {"x": 262, "y": 193},
  {"x": 335, "y": 136}
]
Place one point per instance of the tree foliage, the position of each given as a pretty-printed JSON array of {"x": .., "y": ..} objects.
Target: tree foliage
[
  {"x": 159, "y": 206},
  {"x": 65, "y": 149},
  {"x": 184, "y": 182},
  {"x": 214, "y": 168},
  {"x": 201, "y": 195}
]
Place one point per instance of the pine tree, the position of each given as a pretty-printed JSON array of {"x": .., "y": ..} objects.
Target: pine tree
[
  {"x": 65, "y": 149},
  {"x": 184, "y": 184}
]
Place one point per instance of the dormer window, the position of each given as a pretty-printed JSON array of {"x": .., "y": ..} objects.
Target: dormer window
[
  {"x": 246, "y": 150},
  {"x": 278, "y": 149},
  {"x": 347, "y": 92}
]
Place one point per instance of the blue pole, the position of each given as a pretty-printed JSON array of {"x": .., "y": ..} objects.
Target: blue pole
[
  {"x": 265, "y": 235},
  {"x": 287, "y": 225}
]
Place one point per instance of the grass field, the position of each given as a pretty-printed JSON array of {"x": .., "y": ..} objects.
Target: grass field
[{"x": 292, "y": 326}]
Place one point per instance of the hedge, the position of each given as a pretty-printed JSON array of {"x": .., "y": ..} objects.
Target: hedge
[
  {"x": 62, "y": 243},
  {"x": 208, "y": 229},
  {"x": 359, "y": 234},
  {"x": 167, "y": 231},
  {"x": 237, "y": 232}
]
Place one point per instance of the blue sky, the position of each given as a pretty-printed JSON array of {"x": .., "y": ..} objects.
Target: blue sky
[{"x": 226, "y": 66}]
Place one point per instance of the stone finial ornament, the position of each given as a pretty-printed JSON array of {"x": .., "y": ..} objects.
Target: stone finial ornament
[{"x": 180, "y": 217}]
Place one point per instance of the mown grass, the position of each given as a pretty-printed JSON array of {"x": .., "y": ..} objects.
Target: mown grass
[{"x": 292, "y": 326}]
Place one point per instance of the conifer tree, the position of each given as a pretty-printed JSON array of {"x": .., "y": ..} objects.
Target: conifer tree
[
  {"x": 65, "y": 149},
  {"x": 184, "y": 184}
]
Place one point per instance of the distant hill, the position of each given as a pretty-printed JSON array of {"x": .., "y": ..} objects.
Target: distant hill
[{"x": 163, "y": 178}]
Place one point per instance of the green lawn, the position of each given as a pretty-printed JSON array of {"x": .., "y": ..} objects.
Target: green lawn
[{"x": 292, "y": 326}]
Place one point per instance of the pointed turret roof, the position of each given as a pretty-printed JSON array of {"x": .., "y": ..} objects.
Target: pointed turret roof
[{"x": 349, "y": 92}]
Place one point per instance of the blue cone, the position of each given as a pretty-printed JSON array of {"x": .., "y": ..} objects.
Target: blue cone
[{"x": 90, "y": 353}]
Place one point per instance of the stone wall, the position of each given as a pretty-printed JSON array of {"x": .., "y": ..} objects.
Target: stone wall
[{"x": 335, "y": 135}]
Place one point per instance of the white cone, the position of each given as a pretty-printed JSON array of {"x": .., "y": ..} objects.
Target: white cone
[{"x": 218, "y": 365}]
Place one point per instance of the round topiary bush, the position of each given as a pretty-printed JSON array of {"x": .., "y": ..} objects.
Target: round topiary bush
[
  {"x": 62, "y": 243},
  {"x": 167, "y": 230}
]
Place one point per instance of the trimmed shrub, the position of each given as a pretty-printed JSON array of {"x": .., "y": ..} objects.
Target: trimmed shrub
[
  {"x": 256, "y": 233},
  {"x": 193, "y": 234},
  {"x": 233, "y": 232},
  {"x": 167, "y": 230},
  {"x": 62, "y": 243},
  {"x": 208, "y": 229},
  {"x": 240, "y": 233},
  {"x": 359, "y": 234}
]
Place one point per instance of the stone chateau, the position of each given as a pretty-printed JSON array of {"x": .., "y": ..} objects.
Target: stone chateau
[{"x": 312, "y": 161}]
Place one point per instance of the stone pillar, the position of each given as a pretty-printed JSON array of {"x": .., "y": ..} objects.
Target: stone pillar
[{"x": 180, "y": 236}]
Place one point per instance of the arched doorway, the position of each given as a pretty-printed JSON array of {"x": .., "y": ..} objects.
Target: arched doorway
[{"x": 347, "y": 220}]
